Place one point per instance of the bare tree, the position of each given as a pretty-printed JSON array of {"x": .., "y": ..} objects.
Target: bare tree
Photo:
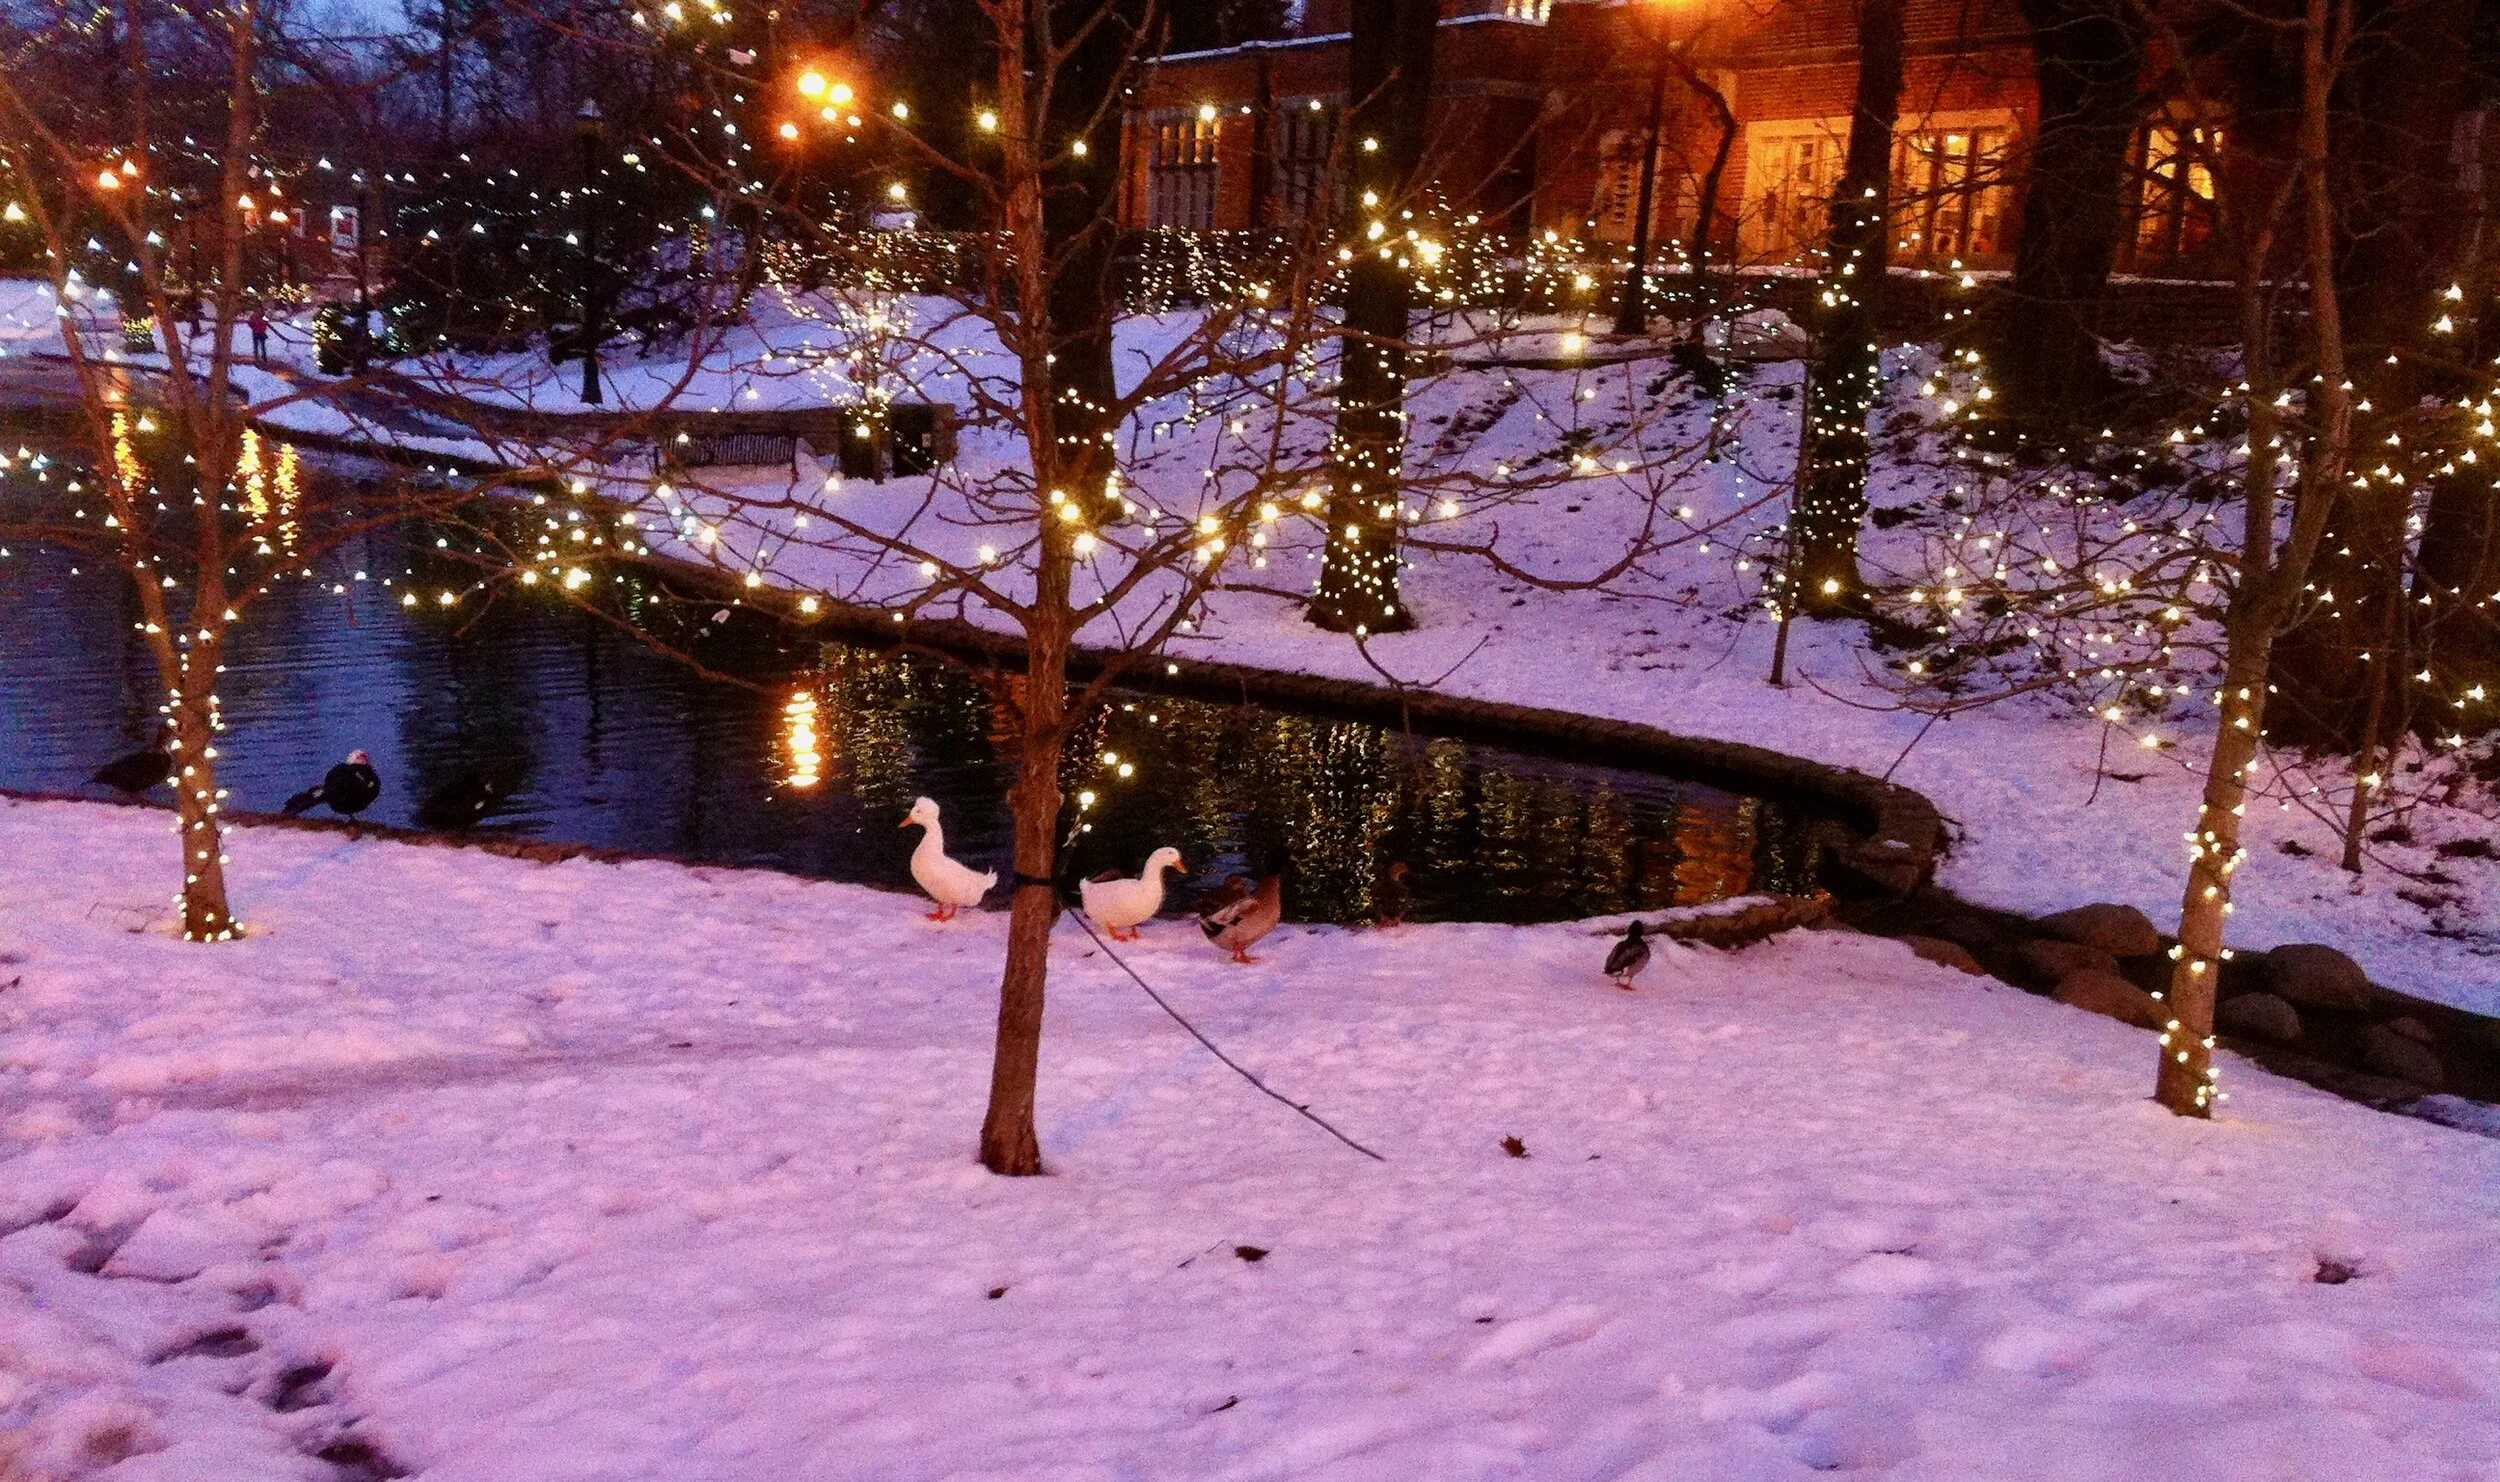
[
  {"x": 2089, "y": 63},
  {"x": 2272, "y": 579},
  {"x": 178, "y": 467},
  {"x": 1118, "y": 472},
  {"x": 179, "y": 494},
  {"x": 2135, "y": 595}
]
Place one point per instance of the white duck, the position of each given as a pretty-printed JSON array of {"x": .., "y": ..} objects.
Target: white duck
[
  {"x": 953, "y": 886},
  {"x": 1122, "y": 904}
]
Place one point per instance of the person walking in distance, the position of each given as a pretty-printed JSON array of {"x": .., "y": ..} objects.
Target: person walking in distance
[{"x": 259, "y": 322}]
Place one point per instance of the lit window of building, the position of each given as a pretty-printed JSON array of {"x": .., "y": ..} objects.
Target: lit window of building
[{"x": 1182, "y": 183}]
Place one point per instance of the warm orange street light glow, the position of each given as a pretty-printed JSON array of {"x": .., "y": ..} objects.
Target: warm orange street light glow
[
  {"x": 789, "y": 130},
  {"x": 841, "y": 93},
  {"x": 107, "y": 180},
  {"x": 812, "y": 84}
]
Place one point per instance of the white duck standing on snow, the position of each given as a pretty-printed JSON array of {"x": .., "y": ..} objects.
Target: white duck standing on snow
[
  {"x": 1122, "y": 904},
  {"x": 953, "y": 886}
]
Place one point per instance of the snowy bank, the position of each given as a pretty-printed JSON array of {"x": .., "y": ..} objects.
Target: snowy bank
[
  {"x": 2050, "y": 807},
  {"x": 641, "y": 1171}
]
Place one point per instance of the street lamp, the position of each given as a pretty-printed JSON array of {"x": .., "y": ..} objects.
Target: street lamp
[
  {"x": 586, "y": 125},
  {"x": 1633, "y": 317}
]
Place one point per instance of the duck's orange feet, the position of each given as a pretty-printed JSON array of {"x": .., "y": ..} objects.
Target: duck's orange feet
[{"x": 1241, "y": 956}]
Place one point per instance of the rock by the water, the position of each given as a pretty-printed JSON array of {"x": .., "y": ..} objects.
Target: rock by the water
[
  {"x": 2258, "y": 1016},
  {"x": 1945, "y": 954},
  {"x": 2385, "y": 1052},
  {"x": 2111, "y": 995},
  {"x": 2317, "y": 977},
  {"x": 2054, "y": 961},
  {"x": 2121, "y": 931}
]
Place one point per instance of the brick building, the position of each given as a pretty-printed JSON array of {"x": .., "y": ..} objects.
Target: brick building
[{"x": 1540, "y": 112}]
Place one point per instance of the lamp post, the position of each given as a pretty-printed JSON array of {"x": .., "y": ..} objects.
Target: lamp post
[
  {"x": 586, "y": 125},
  {"x": 357, "y": 339},
  {"x": 1633, "y": 317}
]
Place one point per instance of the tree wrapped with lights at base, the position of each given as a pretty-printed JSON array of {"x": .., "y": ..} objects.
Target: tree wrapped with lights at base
[
  {"x": 167, "y": 477},
  {"x": 1846, "y": 374},
  {"x": 2111, "y": 577},
  {"x": 1390, "y": 86}
]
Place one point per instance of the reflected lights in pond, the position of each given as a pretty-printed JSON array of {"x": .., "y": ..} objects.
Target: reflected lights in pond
[
  {"x": 799, "y": 738},
  {"x": 134, "y": 474},
  {"x": 271, "y": 492}
]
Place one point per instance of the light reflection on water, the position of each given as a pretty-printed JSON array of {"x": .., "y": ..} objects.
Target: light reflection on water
[{"x": 808, "y": 765}]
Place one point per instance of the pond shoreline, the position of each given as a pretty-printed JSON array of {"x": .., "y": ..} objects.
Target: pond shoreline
[
  {"x": 1887, "y": 875},
  {"x": 1902, "y": 829}
]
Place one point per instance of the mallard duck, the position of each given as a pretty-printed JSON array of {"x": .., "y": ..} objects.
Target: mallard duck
[
  {"x": 953, "y": 886},
  {"x": 349, "y": 788},
  {"x": 1238, "y": 925},
  {"x": 1121, "y": 904},
  {"x": 1630, "y": 955},
  {"x": 1391, "y": 900}
]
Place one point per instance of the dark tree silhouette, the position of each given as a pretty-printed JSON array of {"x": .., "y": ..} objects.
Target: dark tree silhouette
[
  {"x": 1831, "y": 494},
  {"x": 1389, "y": 88}
]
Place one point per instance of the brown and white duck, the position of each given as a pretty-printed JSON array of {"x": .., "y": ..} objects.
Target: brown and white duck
[{"x": 1237, "y": 925}]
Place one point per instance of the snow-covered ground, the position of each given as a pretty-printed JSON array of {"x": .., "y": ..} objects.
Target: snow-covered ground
[
  {"x": 595, "y": 1171},
  {"x": 1683, "y": 643}
]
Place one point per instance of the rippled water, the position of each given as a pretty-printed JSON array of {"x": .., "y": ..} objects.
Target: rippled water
[{"x": 810, "y": 757}]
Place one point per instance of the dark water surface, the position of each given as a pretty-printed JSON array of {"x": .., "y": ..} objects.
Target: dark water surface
[{"x": 809, "y": 761}]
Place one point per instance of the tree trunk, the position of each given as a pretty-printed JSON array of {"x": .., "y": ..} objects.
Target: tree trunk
[
  {"x": 1009, "y": 1142},
  {"x": 2088, "y": 59},
  {"x": 1633, "y": 317},
  {"x": 2269, "y": 586},
  {"x": 2186, "y": 1082},
  {"x": 2458, "y": 569},
  {"x": 1706, "y": 208},
  {"x": 1059, "y": 216},
  {"x": 1389, "y": 86},
  {"x": 206, "y": 916},
  {"x": 2402, "y": 237},
  {"x": 2455, "y": 578},
  {"x": 1831, "y": 494}
]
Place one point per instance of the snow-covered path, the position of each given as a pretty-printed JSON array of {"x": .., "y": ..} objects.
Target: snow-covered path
[{"x": 595, "y": 1171}]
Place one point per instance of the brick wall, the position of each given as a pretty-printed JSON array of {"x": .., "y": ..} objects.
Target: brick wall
[{"x": 1552, "y": 116}]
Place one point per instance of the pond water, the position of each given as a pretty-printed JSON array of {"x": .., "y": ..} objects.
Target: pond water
[{"x": 808, "y": 753}]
